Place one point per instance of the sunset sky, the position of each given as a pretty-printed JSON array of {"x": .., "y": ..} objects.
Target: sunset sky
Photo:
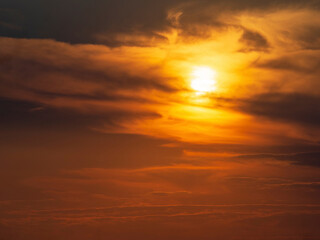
[{"x": 159, "y": 120}]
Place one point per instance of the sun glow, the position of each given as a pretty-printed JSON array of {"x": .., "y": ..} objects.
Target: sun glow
[{"x": 203, "y": 79}]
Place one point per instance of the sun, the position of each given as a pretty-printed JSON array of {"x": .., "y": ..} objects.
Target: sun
[{"x": 203, "y": 79}]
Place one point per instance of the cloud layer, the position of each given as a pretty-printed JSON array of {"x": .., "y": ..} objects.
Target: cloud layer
[{"x": 103, "y": 137}]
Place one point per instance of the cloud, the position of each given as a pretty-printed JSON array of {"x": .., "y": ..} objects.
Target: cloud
[
  {"x": 39, "y": 59},
  {"x": 145, "y": 80},
  {"x": 305, "y": 158},
  {"x": 37, "y": 115},
  {"x": 292, "y": 107},
  {"x": 114, "y": 17},
  {"x": 254, "y": 41},
  {"x": 303, "y": 62},
  {"x": 96, "y": 83},
  {"x": 87, "y": 19},
  {"x": 168, "y": 222},
  {"x": 107, "y": 140}
]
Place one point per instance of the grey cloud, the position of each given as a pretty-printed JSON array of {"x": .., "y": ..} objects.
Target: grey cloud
[
  {"x": 305, "y": 63},
  {"x": 287, "y": 107},
  {"x": 31, "y": 114},
  {"x": 24, "y": 69},
  {"x": 304, "y": 158},
  {"x": 80, "y": 21},
  {"x": 11, "y": 23},
  {"x": 309, "y": 37},
  {"x": 253, "y": 41},
  {"x": 46, "y": 71}
]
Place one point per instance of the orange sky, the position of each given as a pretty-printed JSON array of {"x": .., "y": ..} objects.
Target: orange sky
[{"x": 199, "y": 120}]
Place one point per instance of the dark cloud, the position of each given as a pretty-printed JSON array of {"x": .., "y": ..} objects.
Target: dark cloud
[
  {"x": 254, "y": 41},
  {"x": 36, "y": 151},
  {"x": 29, "y": 67},
  {"x": 306, "y": 158},
  {"x": 80, "y": 21},
  {"x": 307, "y": 64},
  {"x": 72, "y": 87},
  {"x": 39, "y": 139},
  {"x": 309, "y": 37},
  {"x": 15, "y": 113},
  {"x": 11, "y": 23},
  {"x": 309, "y": 159},
  {"x": 99, "y": 96},
  {"x": 287, "y": 107}
]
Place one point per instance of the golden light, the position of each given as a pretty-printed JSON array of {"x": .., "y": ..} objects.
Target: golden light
[{"x": 203, "y": 79}]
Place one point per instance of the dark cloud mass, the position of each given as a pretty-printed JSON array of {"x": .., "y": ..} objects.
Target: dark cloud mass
[
  {"x": 305, "y": 158},
  {"x": 254, "y": 41},
  {"x": 42, "y": 116},
  {"x": 292, "y": 107},
  {"x": 52, "y": 19},
  {"x": 45, "y": 61}
]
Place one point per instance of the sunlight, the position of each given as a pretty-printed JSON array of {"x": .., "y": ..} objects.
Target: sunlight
[{"x": 203, "y": 79}]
